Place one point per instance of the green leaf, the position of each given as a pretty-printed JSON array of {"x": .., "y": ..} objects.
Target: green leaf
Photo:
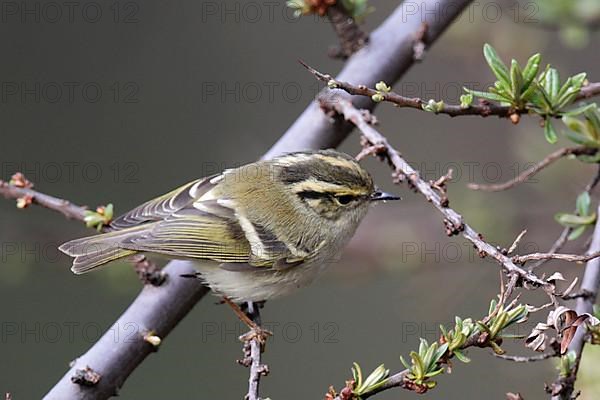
[
  {"x": 434, "y": 373},
  {"x": 489, "y": 96},
  {"x": 496, "y": 348},
  {"x": 543, "y": 99},
  {"x": 300, "y": 7},
  {"x": 583, "y": 203},
  {"x": 593, "y": 159},
  {"x": 549, "y": 132},
  {"x": 567, "y": 98},
  {"x": 466, "y": 100},
  {"x": 357, "y": 374},
  {"x": 496, "y": 65},
  {"x": 579, "y": 79},
  {"x": 418, "y": 368},
  {"x": 531, "y": 70},
  {"x": 552, "y": 85},
  {"x": 108, "y": 211},
  {"x": 577, "y": 232},
  {"x": 440, "y": 352},
  {"x": 458, "y": 341},
  {"x": 483, "y": 327},
  {"x": 573, "y": 221},
  {"x": 431, "y": 384},
  {"x": 358, "y": 9},
  {"x": 443, "y": 330},
  {"x": 530, "y": 92},
  {"x": 492, "y": 307},
  {"x": 516, "y": 79},
  {"x": 423, "y": 347},
  {"x": 574, "y": 112},
  {"x": 381, "y": 86},
  {"x": 568, "y": 85},
  {"x": 403, "y": 361},
  {"x": 580, "y": 139},
  {"x": 517, "y": 315},
  {"x": 569, "y": 91},
  {"x": 377, "y": 97},
  {"x": 575, "y": 125},
  {"x": 468, "y": 327},
  {"x": 584, "y": 133},
  {"x": 375, "y": 377},
  {"x": 433, "y": 106},
  {"x": 591, "y": 114},
  {"x": 499, "y": 323},
  {"x": 428, "y": 357},
  {"x": 461, "y": 356}
]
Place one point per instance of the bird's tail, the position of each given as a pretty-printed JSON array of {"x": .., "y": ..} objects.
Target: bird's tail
[{"x": 94, "y": 251}]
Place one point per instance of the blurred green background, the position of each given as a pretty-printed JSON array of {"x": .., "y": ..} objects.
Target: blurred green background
[{"x": 121, "y": 101}]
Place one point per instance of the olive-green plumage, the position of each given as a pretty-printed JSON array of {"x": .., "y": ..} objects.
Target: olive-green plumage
[{"x": 257, "y": 231}]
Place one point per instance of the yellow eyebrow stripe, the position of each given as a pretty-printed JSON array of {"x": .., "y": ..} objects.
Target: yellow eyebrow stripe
[{"x": 313, "y": 185}]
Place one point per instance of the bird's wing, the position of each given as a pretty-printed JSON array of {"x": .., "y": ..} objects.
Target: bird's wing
[
  {"x": 209, "y": 230},
  {"x": 165, "y": 205}
]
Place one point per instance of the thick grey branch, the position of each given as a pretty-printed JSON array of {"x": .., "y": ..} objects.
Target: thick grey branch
[
  {"x": 563, "y": 387},
  {"x": 388, "y": 55},
  {"x": 155, "y": 311}
]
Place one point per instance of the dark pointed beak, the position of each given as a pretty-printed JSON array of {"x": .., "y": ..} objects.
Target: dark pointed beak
[{"x": 382, "y": 196}]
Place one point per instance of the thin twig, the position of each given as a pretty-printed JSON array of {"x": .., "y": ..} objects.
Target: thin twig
[
  {"x": 453, "y": 221},
  {"x": 64, "y": 207},
  {"x": 577, "y": 295},
  {"x": 505, "y": 293},
  {"x": 484, "y": 109},
  {"x": 479, "y": 339},
  {"x": 516, "y": 242},
  {"x": 556, "y": 246},
  {"x": 527, "y": 359},
  {"x": 148, "y": 271},
  {"x": 595, "y": 180},
  {"x": 576, "y": 258},
  {"x": 564, "y": 235},
  {"x": 257, "y": 368},
  {"x": 531, "y": 171}
]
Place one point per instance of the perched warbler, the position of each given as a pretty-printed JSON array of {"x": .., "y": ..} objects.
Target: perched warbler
[{"x": 257, "y": 231}]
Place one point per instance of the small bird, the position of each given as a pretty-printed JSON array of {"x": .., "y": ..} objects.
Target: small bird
[{"x": 257, "y": 232}]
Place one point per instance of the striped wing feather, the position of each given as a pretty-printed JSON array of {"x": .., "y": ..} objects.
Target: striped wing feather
[
  {"x": 192, "y": 233},
  {"x": 181, "y": 224},
  {"x": 165, "y": 205},
  {"x": 212, "y": 232}
]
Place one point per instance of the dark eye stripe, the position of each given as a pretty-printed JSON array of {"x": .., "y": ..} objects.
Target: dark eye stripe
[
  {"x": 342, "y": 199},
  {"x": 311, "y": 194}
]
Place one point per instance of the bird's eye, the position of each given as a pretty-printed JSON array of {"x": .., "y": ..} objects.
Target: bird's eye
[{"x": 345, "y": 199}]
